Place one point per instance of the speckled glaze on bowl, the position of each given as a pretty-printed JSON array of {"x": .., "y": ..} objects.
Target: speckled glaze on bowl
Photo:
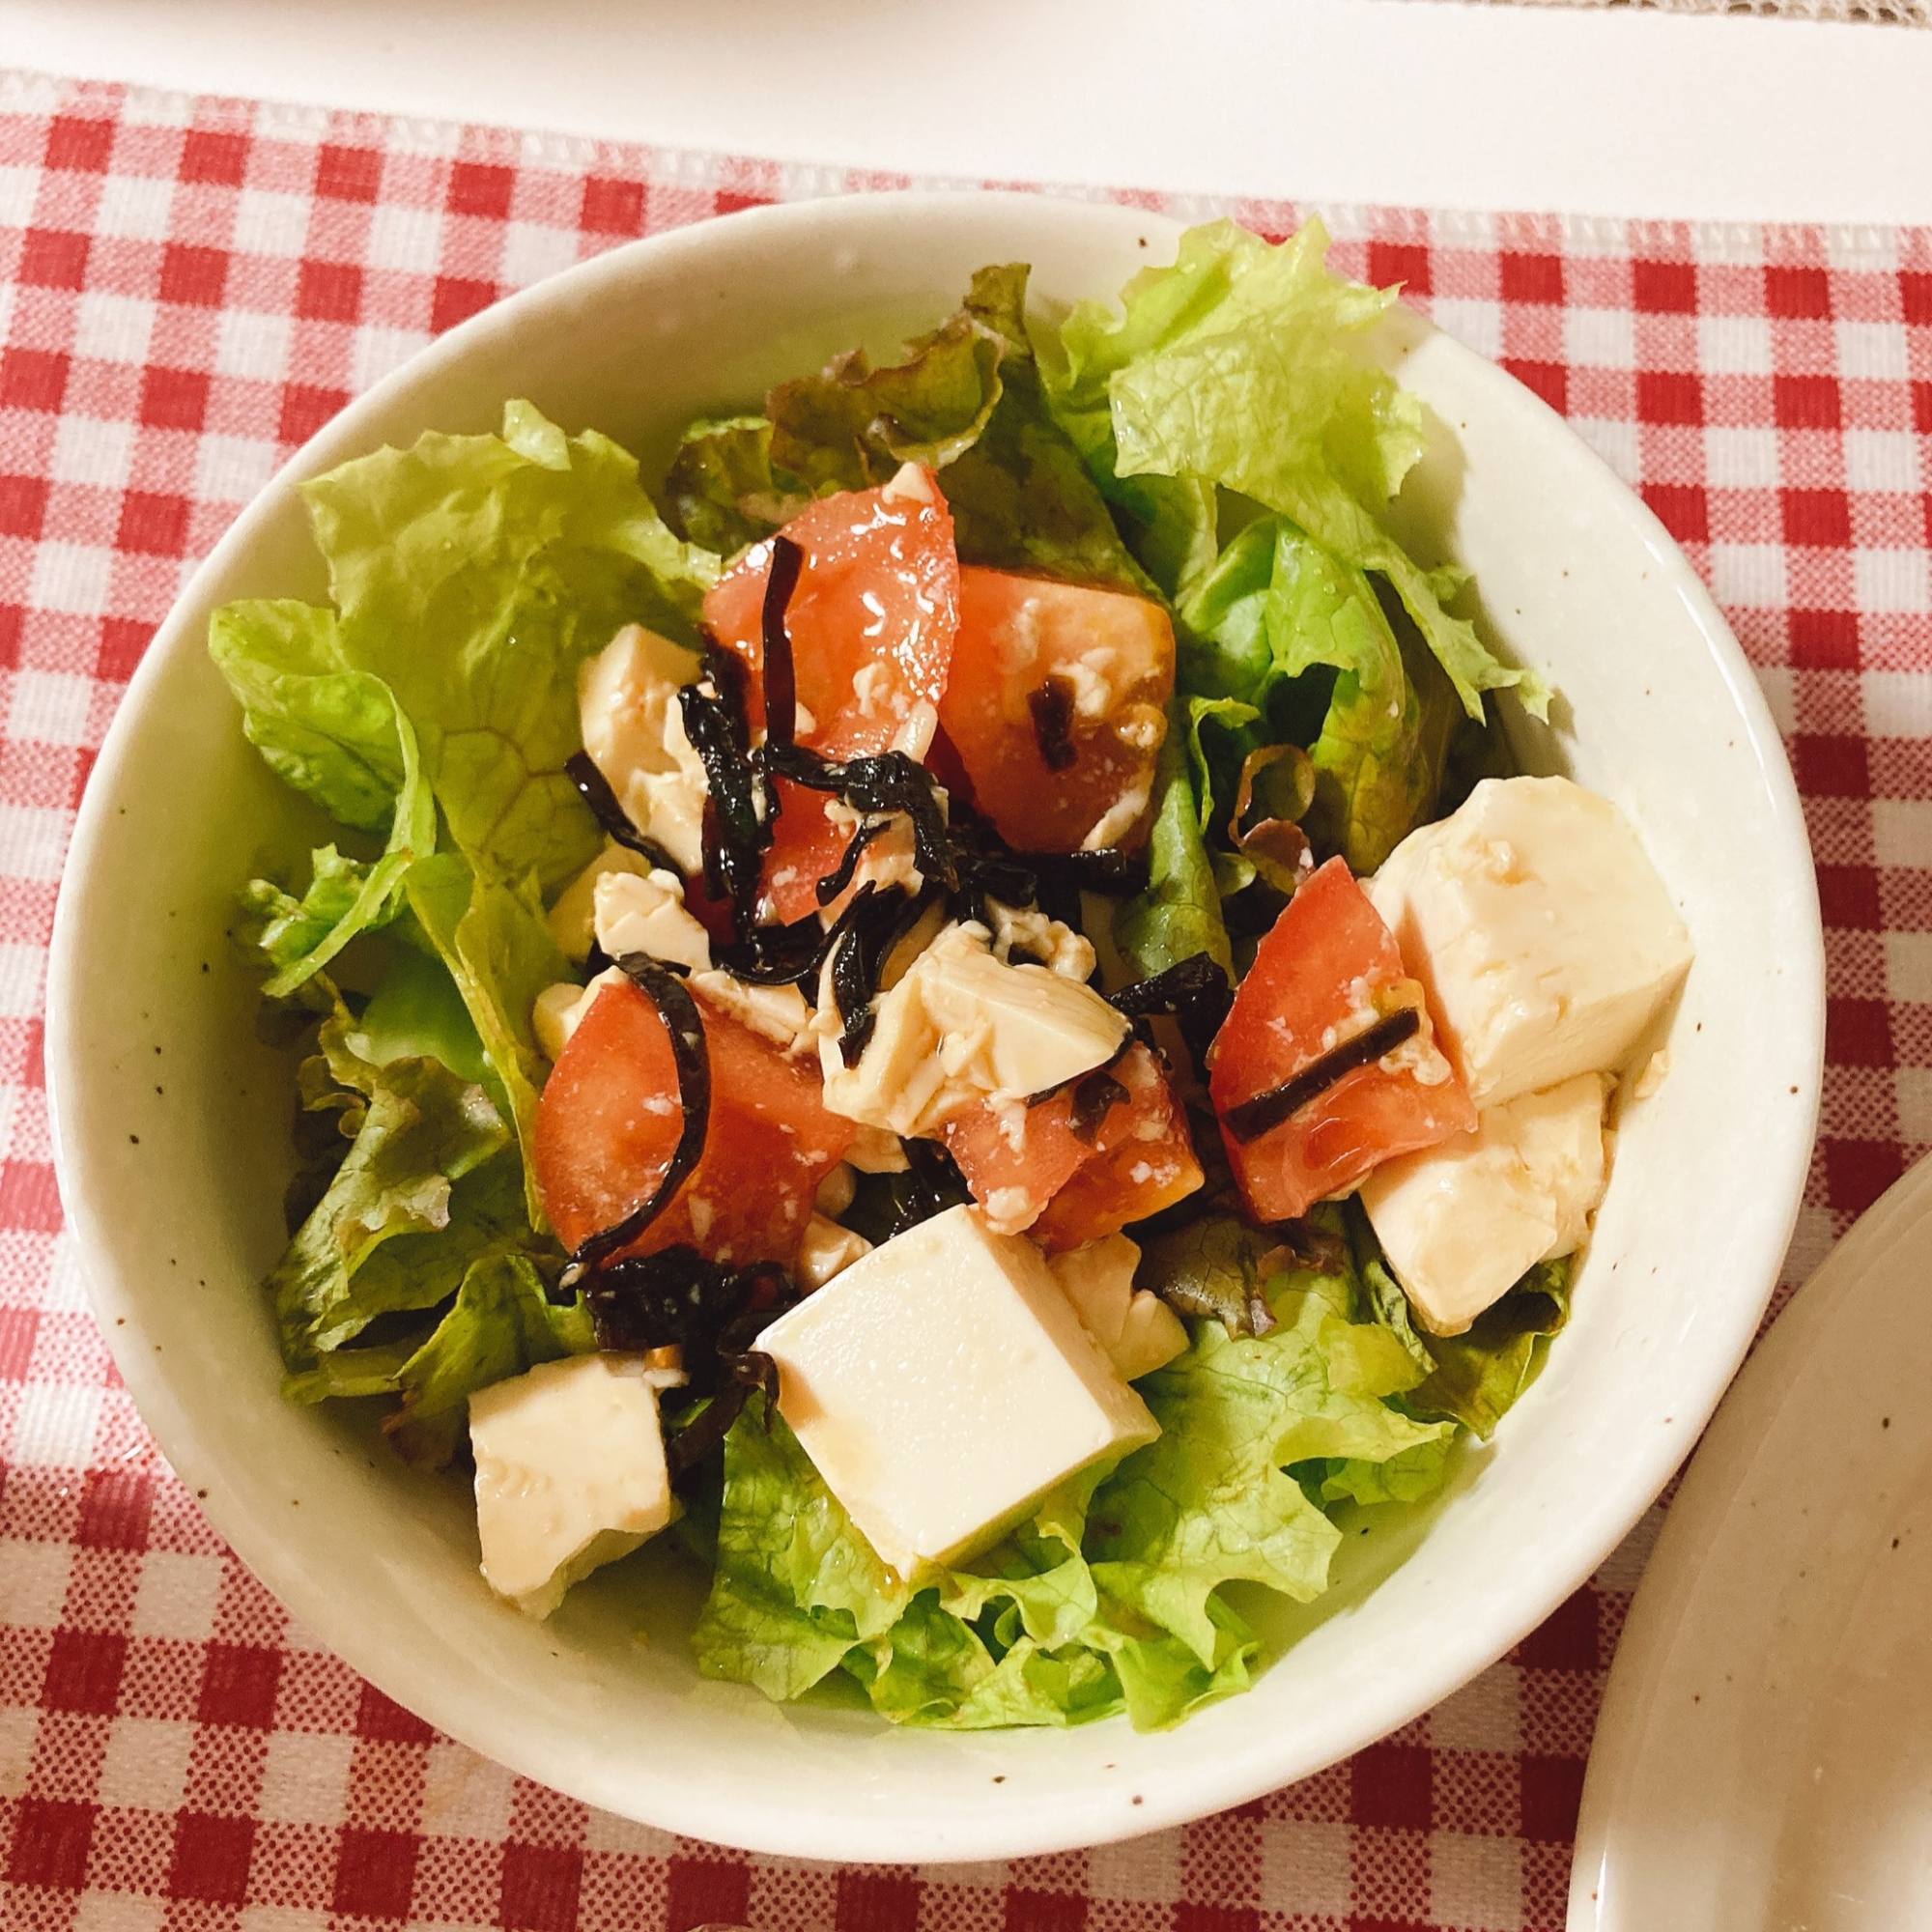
[{"x": 173, "y": 1185}]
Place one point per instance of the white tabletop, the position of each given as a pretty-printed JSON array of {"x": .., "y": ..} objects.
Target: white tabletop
[{"x": 1441, "y": 103}]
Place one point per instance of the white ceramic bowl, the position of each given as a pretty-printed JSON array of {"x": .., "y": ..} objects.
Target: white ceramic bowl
[{"x": 172, "y": 1120}]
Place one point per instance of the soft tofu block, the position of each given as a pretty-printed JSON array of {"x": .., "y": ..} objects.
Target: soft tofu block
[
  {"x": 942, "y": 1383},
  {"x": 959, "y": 1026},
  {"x": 1461, "y": 1223},
  {"x": 1137, "y": 1329},
  {"x": 1541, "y": 931},
  {"x": 570, "y": 1473}
]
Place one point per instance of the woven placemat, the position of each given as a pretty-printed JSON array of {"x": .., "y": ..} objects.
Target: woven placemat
[{"x": 188, "y": 289}]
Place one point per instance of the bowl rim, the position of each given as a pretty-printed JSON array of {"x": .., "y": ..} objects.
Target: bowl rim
[{"x": 1587, "y": 1537}]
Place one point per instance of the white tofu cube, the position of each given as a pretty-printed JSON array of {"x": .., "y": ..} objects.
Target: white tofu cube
[
  {"x": 1464, "y": 1221},
  {"x": 826, "y": 1250},
  {"x": 634, "y": 730},
  {"x": 958, "y": 1027},
  {"x": 1541, "y": 931},
  {"x": 572, "y": 919},
  {"x": 560, "y": 1010},
  {"x": 646, "y": 915},
  {"x": 943, "y": 1384},
  {"x": 1138, "y": 1330},
  {"x": 570, "y": 1472}
]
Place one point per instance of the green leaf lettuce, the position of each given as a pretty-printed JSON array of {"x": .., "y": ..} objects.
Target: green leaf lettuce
[{"x": 1241, "y": 365}]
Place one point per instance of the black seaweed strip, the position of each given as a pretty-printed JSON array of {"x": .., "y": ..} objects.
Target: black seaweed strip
[
  {"x": 1254, "y": 1117},
  {"x": 727, "y": 674},
  {"x": 1051, "y": 705},
  {"x": 1093, "y": 1099},
  {"x": 839, "y": 877},
  {"x": 737, "y": 831},
  {"x": 594, "y": 788},
  {"x": 780, "y": 687},
  {"x": 857, "y": 964},
  {"x": 1194, "y": 990},
  {"x": 884, "y": 781},
  {"x": 937, "y": 1183},
  {"x": 686, "y": 1029},
  {"x": 691, "y": 1444},
  {"x": 777, "y": 955}
]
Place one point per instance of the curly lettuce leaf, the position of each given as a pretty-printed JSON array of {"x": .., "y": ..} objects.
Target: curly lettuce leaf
[
  {"x": 501, "y": 1325},
  {"x": 325, "y": 728},
  {"x": 1473, "y": 1378},
  {"x": 419, "y": 1128},
  {"x": 795, "y": 1587},
  {"x": 1022, "y": 497},
  {"x": 499, "y": 948},
  {"x": 722, "y": 487},
  {"x": 1108, "y": 1599},
  {"x": 1211, "y": 1502},
  {"x": 1180, "y": 912},
  {"x": 1240, "y": 365},
  {"x": 966, "y": 399},
  {"x": 336, "y": 736},
  {"x": 1169, "y": 523},
  {"x": 474, "y": 574}
]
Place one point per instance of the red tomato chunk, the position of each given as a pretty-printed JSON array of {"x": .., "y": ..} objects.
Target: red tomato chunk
[
  {"x": 1326, "y": 969},
  {"x": 1104, "y": 660},
  {"x": 609, "y": 1121},
  {"x": 873, "y": 621},
  {"x": 1066, "y": 1190}
]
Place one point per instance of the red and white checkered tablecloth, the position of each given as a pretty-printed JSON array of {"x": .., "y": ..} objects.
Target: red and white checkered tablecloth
[{"x": 188, "y": 289}]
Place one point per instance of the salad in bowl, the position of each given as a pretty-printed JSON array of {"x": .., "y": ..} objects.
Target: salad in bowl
[{"x": 957, "y": 1010}]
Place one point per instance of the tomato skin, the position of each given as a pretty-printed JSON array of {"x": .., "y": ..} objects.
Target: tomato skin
[
  {"x": 1072, "y": 1190},
  {"x": 609, "y": 1121},
  {"x": 1328, "y": 956},
  {"x": 892, "y": 547},
  {"x": 1014, "y": 633}
]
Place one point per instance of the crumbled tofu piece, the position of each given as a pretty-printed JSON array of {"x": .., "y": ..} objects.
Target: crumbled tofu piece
[
  {"x": 647, "y": 915},
  {"x": 959, "y": 1028},
  {"x": 560, "y": 1008},
  {"x": 781, "y": 1015},
  {"x": 836, "y": 1191},
  {"x": 634, "y": 730},
  {"x": 572, "y": 919},
  {"x": 911, "y": 483},
  {"x": 917, "y": 727},
  {"x": 943, "y": 1384},
  {"x": 1055, "y": 944},
  {"x": 1117, "y": 821},
  {"x": 827, "y": 1250},
  {"x": 1545, "y": 940},
  {"x": 570, "y": 1472},
  {"x": 876, "y": 1150},
  {"x": 1139, "y": 1331},
  {"x": 1462, "y": 1222}
]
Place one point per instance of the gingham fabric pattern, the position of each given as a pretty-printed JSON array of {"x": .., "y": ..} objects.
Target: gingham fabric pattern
[
  {"x": 1894, "y": 12},
  {"x": 187, "y": 288}
]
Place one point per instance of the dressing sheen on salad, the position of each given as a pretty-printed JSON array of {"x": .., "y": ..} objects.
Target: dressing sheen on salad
[{"x": 960, "y": 1012}]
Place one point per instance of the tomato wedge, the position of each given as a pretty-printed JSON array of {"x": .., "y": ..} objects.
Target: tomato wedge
[
  {"x": 873, "y": 622},
  {"x": 609, "y": 1121},
  {"x": 1057, "y": 704},
  {"x": 872, "y": 618},
  {"x": 1327, "y": 970},
  {"x": 1065, "y": 1188}
]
